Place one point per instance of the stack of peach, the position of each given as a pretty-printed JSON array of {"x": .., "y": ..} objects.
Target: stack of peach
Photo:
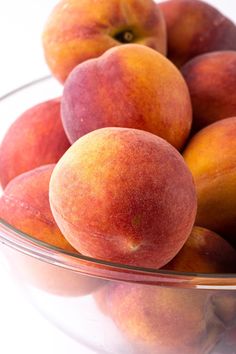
[{"x": 136, "y": 163}]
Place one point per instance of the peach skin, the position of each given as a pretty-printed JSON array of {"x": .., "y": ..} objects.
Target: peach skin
[
  {"x": 138, "y": 88},
  {"x": 195, "y": 27},
  {"x": 164, "y": 320},
  {"x": 36, "y": 138},
  {"x": 213, "y": 98},
  {"x": 204, "y": 252},
  {"x": 125, "y": 196},
  {"x": 210, "y": 156},
  {"x": 78, "y": 30},
  {"x": 25, "y": 206}
]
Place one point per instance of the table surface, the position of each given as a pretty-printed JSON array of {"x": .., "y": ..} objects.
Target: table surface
[{"x": 22, "y": 328}]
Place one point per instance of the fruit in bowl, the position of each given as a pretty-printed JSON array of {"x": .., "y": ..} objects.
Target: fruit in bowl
[
  {"x": 40, "y": 133},
  {"x": 214, "y": 97},
  {"x": 195, "y": 27},
  {"x": 141, "y": 192},
  {"x": 210, "y": 155},
  {"x": 204, "y": 252},
  {"x": 83, "y": 29},
  {"x": 123, "y": 201},
  {"x": 137, "y": 89},
  {"x": 25, "y": 206},
  {"x": 163, "y": 320}
]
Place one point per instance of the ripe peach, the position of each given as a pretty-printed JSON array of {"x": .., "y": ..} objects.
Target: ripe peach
[
  {"x": 210, "y": 155},
  {"x": 36, "y": 138},
  {"x": 214, "y": 97},
  {"x": 204, "y": 252},
  {"x": 164, "y": 320},
  {"x": 78, "y": 30},
  {"x": 195, "y": 27},
  {"x": 25, "y": 206},
  {"x": 130, "y": 86},
  {"x": 135, "y": 200}
]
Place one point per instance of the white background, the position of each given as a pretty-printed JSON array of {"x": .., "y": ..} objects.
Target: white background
[{"x": 22, "y": 329}]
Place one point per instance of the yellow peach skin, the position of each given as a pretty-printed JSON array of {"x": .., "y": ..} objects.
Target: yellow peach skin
[
  {"x": 78, "y": 30},
  {"x": 130, "y": 86},
  {"x": 25, "y": 206},
  {"x": 124, "y": 195},
  {"x": 211, "y": 157}
]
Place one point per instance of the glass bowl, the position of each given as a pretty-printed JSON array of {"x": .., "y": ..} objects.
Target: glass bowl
[{"x": 112, "y": 308}]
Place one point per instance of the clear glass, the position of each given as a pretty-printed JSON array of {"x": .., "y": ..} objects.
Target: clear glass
[{"x": 114, "y": 308}]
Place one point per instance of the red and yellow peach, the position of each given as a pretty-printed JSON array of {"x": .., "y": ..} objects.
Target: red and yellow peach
[
  {"x": 130, "y": 86},
  {"x": 211, "y": 79},
  {"x": 195, "y": 27},
  {"x": 36, "y": 138},
  {"x": 163, "y": 320},
  {"x": 78, "y": 30},
  {"x": 204, "y": 252},
  {"x": 124, "y": 195},
  {"x": 210, "y": 156},
  {"x": 25, "y": 206}
]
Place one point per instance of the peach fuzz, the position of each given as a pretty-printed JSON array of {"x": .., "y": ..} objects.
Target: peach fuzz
[
  {"x": 25, "y": 206},
  {"x": 130, "y": 86},
  {"x": 195, "y": 27},
  {"x": 210, "y": 156},
  {"x": 135, "y": 200},
  {"x": 36, "y": 138},
  {"x": 78, "y": 30},
  {"x": 214, "y": 97},
  {"x": 163, "y": 320},
  {"x": 204, "y": 252}
]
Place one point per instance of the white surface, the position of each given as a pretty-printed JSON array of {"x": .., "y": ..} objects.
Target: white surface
[{"x": 22, "y": 329}]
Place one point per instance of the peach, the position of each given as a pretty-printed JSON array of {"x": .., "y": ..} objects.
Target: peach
[
  {"x": 210, "y": 155},
  {"x": 130, "y": 86},
  {"x": 78, "y": 30},
  {"x": 164, "y": 320},
  {"x": 214, "y": 97},
  {"x": 195, "y": 27},
  {"x": 36, "y": 138},
  {"x": 25, "y": 206},
  {"x": 124, "y": 195},
  {"x": 204, "y": 252}
]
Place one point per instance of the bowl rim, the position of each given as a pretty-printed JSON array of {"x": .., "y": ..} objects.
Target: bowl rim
[{"x": 25, "y": 244}]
